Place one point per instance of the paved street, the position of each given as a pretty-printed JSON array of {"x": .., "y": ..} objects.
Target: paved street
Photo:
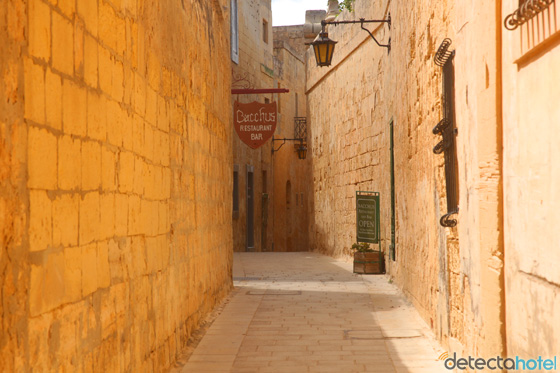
[{"x": 305, "y": 312}]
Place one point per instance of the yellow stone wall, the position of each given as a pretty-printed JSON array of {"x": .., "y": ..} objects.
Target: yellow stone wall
[
  {"x": 454, "y": 276},
  {"x": 476, "y": 276},
  {"x": 115, "y": 160},
  {"x": 292, "y": 205},
  {"x": 531, "y": 157}
]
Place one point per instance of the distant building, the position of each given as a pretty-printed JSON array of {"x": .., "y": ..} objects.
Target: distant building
[
  {"x": 271, "y": 193},
  {"x": 252, "y": 67},
  {"x": 292, "y": 176}
]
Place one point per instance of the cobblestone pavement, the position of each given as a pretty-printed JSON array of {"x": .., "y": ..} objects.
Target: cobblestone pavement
[{"x": 305, "y": 312}]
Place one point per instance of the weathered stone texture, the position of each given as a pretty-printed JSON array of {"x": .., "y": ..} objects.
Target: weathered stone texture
[
  {"x": 115, "y": 160},
  {"x": 445, "y": 272},
  {"x": 291, "y": 35},
  {"x": 292, "y": 178}
]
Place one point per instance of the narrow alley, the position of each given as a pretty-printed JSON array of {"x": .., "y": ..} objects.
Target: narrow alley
[
  {"x": 211, "y": 186},
  {"x": 305, "y": 312}
]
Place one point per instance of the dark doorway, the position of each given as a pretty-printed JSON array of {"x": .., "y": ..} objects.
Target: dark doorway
[
  {"x": 250, "y": 211},
  {"x": 264, "y": 217},
  {"x": 288, "y": 217}
]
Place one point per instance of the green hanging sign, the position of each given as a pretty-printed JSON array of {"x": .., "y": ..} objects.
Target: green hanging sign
[{"x": 367, "y": 217}]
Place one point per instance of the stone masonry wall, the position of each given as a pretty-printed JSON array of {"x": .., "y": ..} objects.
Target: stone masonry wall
[
  {"x": 351, "y": 105},
  {"x": 293, "y": 36},
  {"x": 452, "y": 275},
  {"x": 115, "y": 160},
  {"x": 293, "y": 190}
]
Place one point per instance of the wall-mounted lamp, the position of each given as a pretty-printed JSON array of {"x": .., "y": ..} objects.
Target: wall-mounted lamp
[
  {"x": 324, "y": 47},
  {"x": 301, "y": 150}
]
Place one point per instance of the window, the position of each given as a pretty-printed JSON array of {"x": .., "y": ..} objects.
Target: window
[
  {"x": 234, "y": 32},
  {"x": 236, "y": 191},
  {"x": 265, "y": 30}
]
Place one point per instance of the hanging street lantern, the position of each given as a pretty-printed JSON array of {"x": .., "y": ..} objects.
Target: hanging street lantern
[
  {"x": 323, "y": 48},
  {"x": 302, "y": 152}
]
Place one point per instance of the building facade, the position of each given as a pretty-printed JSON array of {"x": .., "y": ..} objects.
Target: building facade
[
  {"x": 292, "y": 178},
  {"x": 115, "y": 162},
  {"x": 445, "y": 136},
  {"x": 252, "y": 68},
  {"x": 530, "y": 118}
]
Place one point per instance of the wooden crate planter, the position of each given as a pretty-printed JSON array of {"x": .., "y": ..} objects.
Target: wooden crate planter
[{"x": 369, "y": 262}]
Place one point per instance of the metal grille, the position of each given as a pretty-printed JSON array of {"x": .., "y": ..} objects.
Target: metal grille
[
  {"x": 446, "y": 128},
  {"x": 527, "y": 9},
  {"x": 300, "y": 128}
]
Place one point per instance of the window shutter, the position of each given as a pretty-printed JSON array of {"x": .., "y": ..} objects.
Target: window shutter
[{"x": 234, "y": 32}]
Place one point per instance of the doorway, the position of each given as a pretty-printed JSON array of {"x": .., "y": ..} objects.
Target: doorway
[{"x": 250, "y": 210}]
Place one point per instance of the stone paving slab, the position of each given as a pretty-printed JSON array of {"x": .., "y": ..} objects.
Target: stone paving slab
[{"x": 305, "y": 312}]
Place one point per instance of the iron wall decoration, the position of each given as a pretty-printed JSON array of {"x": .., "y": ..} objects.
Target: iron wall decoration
[
  {"x": 300, "y": 128},
  {"x": 446, "y": 128},
  {"x": 527, "y": 10},
  {"x": 255, "y": 122}
]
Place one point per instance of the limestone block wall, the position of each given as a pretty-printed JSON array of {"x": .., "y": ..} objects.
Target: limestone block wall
[
  {"x": 453, "y": 276},
  {"x": 293, "y": 192},
  {"x": 115, "y": 162},
  {"x": 351, "y": 106},
  {"x": 293, "y": 36}
]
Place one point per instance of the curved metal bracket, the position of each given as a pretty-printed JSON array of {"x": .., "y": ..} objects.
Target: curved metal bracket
[
  {"x": 440, "y": 126},
  {"x": 525, "y": 12},
  {"x": 361, "y": 22},
  {"x": 388, "y": 45},
  {"x": 275, "y": 150},
  {"x": 446, "y": 220},
  {"x": 443, "y": 53},
  {"x": 283, "y": 142}
]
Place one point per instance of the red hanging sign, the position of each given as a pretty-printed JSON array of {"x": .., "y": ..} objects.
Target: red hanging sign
[{"x": 254, "y": 123}]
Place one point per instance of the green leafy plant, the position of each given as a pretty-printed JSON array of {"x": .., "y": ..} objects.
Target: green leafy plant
[
  {"x": 362, "y": 247},
  {"x": 346, "y": 4}
]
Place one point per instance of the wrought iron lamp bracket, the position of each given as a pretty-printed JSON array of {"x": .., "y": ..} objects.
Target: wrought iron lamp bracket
[
  {"x": 361, "y": 22},
  {"x": 283, "y": 142}
]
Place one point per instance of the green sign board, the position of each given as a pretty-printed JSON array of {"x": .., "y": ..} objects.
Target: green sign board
[{"x": 367, "y": 217}]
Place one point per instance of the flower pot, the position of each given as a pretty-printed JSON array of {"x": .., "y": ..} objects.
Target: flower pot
[{"x": 369, "y": 262}]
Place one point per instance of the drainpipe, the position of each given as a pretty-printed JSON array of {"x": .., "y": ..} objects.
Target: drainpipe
[{"x": 500, "y": 143}]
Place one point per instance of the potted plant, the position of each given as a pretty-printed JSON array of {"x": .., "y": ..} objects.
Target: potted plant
[{"x": 367, "y": 260}]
